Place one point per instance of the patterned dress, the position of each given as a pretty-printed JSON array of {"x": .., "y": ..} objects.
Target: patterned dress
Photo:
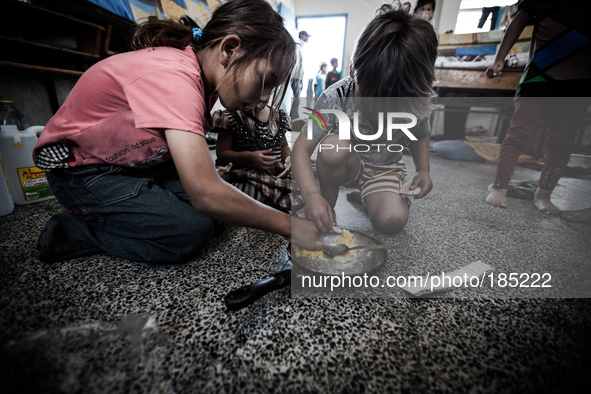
[{"x": 250, "y": 134}]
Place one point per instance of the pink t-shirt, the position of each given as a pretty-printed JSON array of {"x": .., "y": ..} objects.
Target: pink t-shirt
[{"x": 119, "y": 109}]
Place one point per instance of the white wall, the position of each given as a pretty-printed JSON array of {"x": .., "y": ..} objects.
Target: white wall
[
  {"x": 448, "y": 15},
  {"x": 288, "y": 3}
]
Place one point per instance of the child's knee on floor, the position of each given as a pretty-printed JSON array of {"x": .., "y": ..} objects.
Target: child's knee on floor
[
  {"x": 180, "y": 249},
  {"x": 177, "y": 240},
  {"x": 194, "y": 237},
  {"x": 388, "y": 212},
  {"x": 390, "y": 223}
]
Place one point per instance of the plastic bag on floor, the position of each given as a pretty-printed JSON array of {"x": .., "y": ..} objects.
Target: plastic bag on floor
[
  {"x": 524, "y": 190},
  {"x": 121, "y": 357}
]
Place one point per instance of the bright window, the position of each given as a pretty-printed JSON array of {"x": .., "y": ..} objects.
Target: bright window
[{"x": 471, "y": 12}]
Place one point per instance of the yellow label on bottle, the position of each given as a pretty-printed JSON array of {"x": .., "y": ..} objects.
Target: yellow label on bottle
[
  {"x": 33, "y": 183},
  {"x": 18, "y": 144}
]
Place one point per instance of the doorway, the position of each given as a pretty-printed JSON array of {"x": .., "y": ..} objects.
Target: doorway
[{"x": 327, "y": 41}]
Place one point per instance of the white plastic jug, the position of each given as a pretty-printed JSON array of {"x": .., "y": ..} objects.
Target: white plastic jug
[
  {"x": 6, "y": 203},
  {"x": 28, "y": 183}
]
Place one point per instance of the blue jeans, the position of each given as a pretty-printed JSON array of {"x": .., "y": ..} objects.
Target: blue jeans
[{"x": 135, "y": 214}]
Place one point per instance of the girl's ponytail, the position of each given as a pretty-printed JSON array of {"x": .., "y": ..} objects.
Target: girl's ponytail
[{"x": 161, "y": 33}]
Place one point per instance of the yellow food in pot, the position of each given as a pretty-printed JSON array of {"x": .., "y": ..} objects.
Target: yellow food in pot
[
  {"x": 303, "y": 252},
  {"x": 344, "y": 238}
]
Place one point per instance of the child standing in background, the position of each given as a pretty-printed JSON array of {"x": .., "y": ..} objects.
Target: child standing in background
[
  {"x": 333, "y": 76},
  {"x": 393, "y": 67},
  {"x": 257, "y": 148},
  {"x": 126, "y": 153},
  {"x": 320, "y": 81}
]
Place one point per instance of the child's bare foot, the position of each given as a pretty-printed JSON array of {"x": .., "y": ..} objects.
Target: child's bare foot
[
  {"x": 497, "y": 198},
  {"x": 580, "y": 216},
  {"x": 542, "y": 201},
  {"x": 297, "y": 208},
  {"x": 301, "y": 214},
  {"x": 354, "y": 196}
]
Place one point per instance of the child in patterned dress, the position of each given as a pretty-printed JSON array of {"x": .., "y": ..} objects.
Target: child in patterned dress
[{"x": 253, "y": 147}]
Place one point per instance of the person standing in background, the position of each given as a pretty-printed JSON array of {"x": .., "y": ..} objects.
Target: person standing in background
[
  {"x": 297, "y": 76},
  {"x": 333, "y": 76},
  {"x": 320, "y": 81},
  {"x": 558, "y": 68}
]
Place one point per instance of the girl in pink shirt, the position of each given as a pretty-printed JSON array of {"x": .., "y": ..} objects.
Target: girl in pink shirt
[{"x": 126, "y": 153}]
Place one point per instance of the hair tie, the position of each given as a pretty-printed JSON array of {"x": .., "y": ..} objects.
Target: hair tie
[{"x": 197, "y": 32}]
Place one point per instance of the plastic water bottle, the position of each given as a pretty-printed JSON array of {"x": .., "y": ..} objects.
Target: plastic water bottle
[{"x": 28, "y": 184}]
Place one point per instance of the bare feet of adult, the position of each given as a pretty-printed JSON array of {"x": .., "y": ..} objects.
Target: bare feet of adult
[
  {"x": 497, "y": 198},
  {"x": 354, "y": 196},
  {"x": 542, "y": 201},
  {"x": 579, "y": 216}
]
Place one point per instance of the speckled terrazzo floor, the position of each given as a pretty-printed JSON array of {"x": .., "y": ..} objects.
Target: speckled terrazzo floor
[{"x": 101, "y": 324}]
